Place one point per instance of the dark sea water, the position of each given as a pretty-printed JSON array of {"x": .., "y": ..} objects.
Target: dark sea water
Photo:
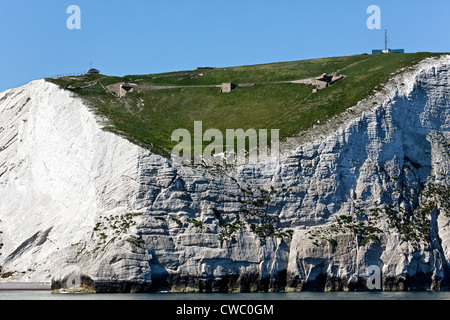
[{"x": 301, "y": 296}]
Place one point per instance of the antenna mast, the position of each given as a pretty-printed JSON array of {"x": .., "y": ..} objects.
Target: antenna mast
[{"x": 385, "y": 40}]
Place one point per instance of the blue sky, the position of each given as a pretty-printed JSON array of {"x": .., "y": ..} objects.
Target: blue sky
[{"x": 151, "y": 36}]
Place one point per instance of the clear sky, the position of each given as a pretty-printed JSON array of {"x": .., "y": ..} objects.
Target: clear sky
[{"x": 152, "y": 36}]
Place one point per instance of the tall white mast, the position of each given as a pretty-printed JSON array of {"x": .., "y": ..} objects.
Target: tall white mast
[{"x": 386, "y": 40}]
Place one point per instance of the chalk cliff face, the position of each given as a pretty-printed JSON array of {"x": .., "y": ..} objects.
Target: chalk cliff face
[{"x": 79, "y": 205}]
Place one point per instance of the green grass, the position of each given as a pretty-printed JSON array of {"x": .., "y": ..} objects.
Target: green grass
[{"x": 288, "y": 107}]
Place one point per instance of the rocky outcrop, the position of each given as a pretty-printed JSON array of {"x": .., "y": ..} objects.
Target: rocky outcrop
[{"x": 83, "y": 206}]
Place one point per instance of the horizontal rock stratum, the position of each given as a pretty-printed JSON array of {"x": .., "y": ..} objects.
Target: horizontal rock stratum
[{"x": 80, "y": 205}]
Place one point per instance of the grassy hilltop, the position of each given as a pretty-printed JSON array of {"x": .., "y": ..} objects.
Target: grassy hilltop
[{"x": 149, "y": 118}]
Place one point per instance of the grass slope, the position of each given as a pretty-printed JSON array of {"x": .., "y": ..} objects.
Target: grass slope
[{"x": 149, "y": 118}]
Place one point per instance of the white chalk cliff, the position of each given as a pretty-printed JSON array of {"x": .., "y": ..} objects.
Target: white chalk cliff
[{"x": 367, "y": 188}]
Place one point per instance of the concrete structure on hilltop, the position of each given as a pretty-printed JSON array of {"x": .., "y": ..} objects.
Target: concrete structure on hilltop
[
  {"x": 388, "y": 51},
  {"x": 227, "y": 87},
  {"x": 93, "y": 71},
  {"x": 120, "y": 89},
  {"x": 320, "y": 82}
]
